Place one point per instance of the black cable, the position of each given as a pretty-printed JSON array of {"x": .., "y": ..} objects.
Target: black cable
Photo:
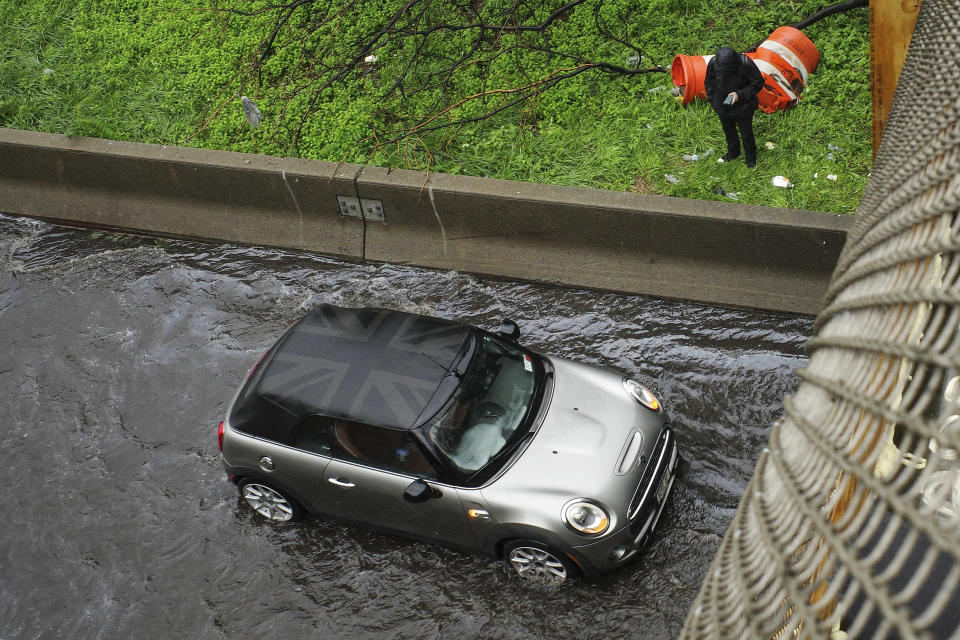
[
  {"x": 829, "y": 11},
  {"x": 840, "y": 7}
]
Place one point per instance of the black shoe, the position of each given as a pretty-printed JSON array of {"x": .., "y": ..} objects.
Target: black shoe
[
  {"x": 727, "y": 157},
  {"x": 751, "y": 163}
]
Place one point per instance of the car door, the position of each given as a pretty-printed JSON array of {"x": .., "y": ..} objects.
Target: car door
[
  {"x": 366, "y": 479},
  {"x": 299, "y": 468}
]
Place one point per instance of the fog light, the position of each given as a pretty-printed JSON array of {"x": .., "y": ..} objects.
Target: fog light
[{"x": 619, "y": 552}]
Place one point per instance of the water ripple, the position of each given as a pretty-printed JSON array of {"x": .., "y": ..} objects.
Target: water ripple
[{"x": 123, "y": 351}]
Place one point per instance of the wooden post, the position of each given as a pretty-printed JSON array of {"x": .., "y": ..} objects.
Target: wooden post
[{"x": 891, "y": 26}]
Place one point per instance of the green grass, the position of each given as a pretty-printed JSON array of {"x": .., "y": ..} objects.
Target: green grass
[{"x": 168, "y": 71}]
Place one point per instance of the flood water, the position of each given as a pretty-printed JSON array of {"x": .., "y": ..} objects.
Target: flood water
[{"x": 120, "y": 355}]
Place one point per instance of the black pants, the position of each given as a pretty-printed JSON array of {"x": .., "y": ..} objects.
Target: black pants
[{"x": 745, "y": 124}]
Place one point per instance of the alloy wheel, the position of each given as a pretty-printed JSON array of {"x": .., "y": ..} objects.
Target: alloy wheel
[
  {"x": 268, "y": 502},
  {"x": 538, "y": 565}
]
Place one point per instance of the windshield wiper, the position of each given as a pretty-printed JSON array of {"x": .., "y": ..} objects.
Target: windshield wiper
[{"x": 505, "y": 454}]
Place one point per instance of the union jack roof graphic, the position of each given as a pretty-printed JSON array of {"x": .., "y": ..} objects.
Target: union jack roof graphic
[{"x": 376, "y": 366}]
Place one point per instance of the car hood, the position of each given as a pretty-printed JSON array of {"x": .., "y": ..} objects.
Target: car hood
[{"x": 579, "y": 446}]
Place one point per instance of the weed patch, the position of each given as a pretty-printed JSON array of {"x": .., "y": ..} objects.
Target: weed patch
[{"x": 170, "y": 72}]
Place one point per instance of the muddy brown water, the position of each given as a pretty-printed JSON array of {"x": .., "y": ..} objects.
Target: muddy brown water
[{"x": 120, "y": 354}]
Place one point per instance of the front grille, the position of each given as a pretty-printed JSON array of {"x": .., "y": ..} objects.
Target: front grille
[{"x": 657, "y": 466}]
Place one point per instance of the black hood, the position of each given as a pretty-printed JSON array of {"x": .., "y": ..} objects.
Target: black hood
[{"x": 727, "y": 61}]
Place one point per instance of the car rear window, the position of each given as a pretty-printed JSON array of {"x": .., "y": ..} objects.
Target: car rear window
[{"x": 256, "y": 415}]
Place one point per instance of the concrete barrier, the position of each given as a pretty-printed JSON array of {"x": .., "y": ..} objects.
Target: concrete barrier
[
  {"x": 727, "y": 254},
  {"x": 713, "y": 252},
  {"x": 236, "y": 197}
]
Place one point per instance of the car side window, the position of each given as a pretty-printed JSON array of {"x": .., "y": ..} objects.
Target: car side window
[
  {"x": 393, "y": 449},
  {"x": 314, "y": 434}
]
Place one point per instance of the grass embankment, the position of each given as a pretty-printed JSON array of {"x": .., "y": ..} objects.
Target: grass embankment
[{"x": 164, "y": 72}]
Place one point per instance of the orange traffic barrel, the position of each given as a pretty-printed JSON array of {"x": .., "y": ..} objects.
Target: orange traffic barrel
[
  {"x": 689, "y": 73},
  {"x": 785, "y": 59}
]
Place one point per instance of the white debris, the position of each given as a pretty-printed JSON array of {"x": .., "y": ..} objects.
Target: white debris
[
  {"x": 251, "y": 112},
  {"x": 633, "y": 62},
  {"x": 830, "y": 156},
  {"x": 780, "y": 181},
  {"x": 47, "y": 71},
  {"x": 769, "y": 145},
  {"x": 656, "y": 89},
  {"x": 816, "y": 175},
  {"x": 672, "y": 179},
  {"x": 676, "y": 91},
  {"x": 733, "y": 196},
  {"x": 833, "y": 147},
  {"x": 690, "y": 157},
  {"x": 370, "y": 59},
  {"x": 832, "y": 176}
]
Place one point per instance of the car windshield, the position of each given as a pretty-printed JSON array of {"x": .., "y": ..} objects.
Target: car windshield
[{"x": 492, "y": 403}]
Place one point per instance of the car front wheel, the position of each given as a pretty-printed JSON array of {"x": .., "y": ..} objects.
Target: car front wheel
[
  {"x": 270, "y": 502},
  {"x": 538, "y": 562}
]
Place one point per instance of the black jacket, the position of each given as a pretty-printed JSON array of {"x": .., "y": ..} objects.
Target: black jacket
[{"x": 731, "y": 71}]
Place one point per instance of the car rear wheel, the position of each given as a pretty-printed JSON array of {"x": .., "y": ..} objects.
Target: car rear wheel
[
  {"x": 270, "y": 502},
  {"x": 538, "y": 562}
]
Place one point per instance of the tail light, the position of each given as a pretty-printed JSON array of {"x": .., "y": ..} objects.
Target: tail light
[{"x": 220, "y": 436}]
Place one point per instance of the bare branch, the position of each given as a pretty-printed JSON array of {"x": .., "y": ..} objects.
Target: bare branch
[{"x": 441, "y": 57}]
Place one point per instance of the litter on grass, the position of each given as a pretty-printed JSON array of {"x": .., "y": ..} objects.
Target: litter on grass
[
  {"x": 833, "y": 147},
  {"x": 780, "y": 181},
  {"x": 696, "y": 156},
  {"x": 832, "y": 176},
  {"x": 370, "y": 59},
  {"x": 672, "y": 179},
  {"x": 251, "y": 112},
  {"x": 769, "y": 145},
  {"x": 47, "y": 71},
  {"x": 720, "y": 192}
]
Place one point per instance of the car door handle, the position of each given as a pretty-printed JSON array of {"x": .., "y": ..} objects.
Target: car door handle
[{"x": 341, "y": 482}]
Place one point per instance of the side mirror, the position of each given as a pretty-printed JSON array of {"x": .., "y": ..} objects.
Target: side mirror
[
  {"x": 420, "y": 491},
  {"x": 509, "y": 330}
]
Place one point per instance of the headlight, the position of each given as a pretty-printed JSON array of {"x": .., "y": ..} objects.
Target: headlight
[
  {"x": 641, "y": 394},
  {"x": 586, "y": 517}
]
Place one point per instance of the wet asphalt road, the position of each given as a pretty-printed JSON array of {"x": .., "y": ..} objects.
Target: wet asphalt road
[{"x": 121, "y": 353}]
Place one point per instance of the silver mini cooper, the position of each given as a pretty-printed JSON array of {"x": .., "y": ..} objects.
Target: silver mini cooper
[{"x": 449, "y": 433}]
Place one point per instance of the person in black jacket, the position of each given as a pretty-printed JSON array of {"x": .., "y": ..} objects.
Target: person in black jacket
[{"x": 732, "y": 83}]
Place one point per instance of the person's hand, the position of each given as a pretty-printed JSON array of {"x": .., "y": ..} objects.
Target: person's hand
[{"x": 733, "y": 97}]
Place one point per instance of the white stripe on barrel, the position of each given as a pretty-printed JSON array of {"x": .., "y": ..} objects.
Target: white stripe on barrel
[
  {"x": 773, "y": 72},
  {"x": 789, "y": 56}
]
